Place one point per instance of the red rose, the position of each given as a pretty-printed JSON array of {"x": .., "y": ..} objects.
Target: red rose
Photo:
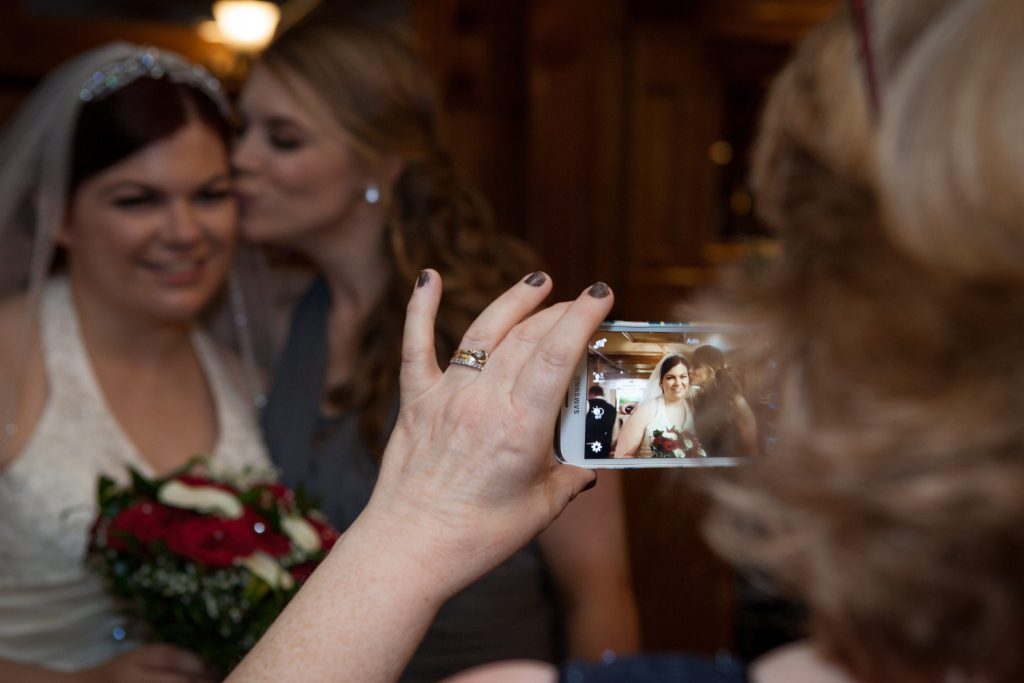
[
  {"x": 147, "y": 521},
  {"x": 272, "y": 493},
  {"x": 195, "y": 480},
  {"x": 268, "y": 540},
  {"x": 218, "y": 542},
  {"x": 301, "y": 572},
  {"x": 213, "y": 541},
  {"x": 327, "y": 533}
]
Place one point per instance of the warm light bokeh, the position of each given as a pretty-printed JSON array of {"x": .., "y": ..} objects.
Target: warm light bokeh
[{"x": 246, "y": 25}]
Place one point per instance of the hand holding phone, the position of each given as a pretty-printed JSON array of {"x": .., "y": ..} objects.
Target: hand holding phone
[{"x": 664, "y": 395}]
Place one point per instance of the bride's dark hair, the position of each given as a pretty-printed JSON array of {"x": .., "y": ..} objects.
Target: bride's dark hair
[
  {"x": 123, "y": 122},
  {"x": 671, "y": 362}
]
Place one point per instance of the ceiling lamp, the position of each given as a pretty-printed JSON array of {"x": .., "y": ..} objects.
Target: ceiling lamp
[{"x": 246, "y": 25}]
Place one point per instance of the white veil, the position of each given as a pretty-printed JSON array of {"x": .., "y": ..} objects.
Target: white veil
[{"x": 35, "y": 151}]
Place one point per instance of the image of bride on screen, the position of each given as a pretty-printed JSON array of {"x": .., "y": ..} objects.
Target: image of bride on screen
[{"x": 662, "y": 425}]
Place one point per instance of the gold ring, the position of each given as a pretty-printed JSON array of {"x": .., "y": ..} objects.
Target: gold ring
[{"x": 471, "y": 359}]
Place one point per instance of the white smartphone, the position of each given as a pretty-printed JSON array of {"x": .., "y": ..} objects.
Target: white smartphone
[{"x": 654, "y": 394}]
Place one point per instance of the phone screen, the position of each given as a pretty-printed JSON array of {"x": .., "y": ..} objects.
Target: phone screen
[{"x": 666, "y": 395}]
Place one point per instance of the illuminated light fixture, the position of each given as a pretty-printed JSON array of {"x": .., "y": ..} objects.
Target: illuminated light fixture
[
  {"x": 210, "y": 32},
  {"x": 246, "y": 25}
]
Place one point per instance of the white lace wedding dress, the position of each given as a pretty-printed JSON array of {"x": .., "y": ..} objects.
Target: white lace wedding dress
[{"x": 53, "y": 611}]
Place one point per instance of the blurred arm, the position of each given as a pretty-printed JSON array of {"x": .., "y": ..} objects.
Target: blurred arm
[
  {"x": 633, "y": 430},
  {"x": 586, "y": 550},
  {"x": 13, "y": 671},
  {"x": 746, "y": 425}
]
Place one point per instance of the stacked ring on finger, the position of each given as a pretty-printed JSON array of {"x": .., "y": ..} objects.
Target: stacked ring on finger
[{"x": 474, "y": 358}]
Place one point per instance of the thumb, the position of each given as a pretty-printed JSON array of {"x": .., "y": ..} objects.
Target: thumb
[
  {"x": 565, "y": 482},
  {"x": 419, "y": 360}
]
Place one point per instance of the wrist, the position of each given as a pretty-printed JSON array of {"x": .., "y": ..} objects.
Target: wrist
[
  {"x": 385, "y": 550},
  {"x": 364, "y": 609}
]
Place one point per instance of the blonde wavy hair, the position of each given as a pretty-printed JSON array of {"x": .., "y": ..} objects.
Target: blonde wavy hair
[
  {"x": 894, "y": 504},
  {"x": 378, "y": 90}
]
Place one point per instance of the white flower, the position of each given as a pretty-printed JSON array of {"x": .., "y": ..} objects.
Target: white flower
[
  {"x": 679, "y": 453},
  {"x": 239, "y": 478},
  {"x": 200, "y": 498},
  {"x": 688, "y": 443},
  {"x": 596, "y": 447},
  {"x": 267, "y": 568},
  {"x": 302, "y": 533},
  {"x": 670, "y": 435}
]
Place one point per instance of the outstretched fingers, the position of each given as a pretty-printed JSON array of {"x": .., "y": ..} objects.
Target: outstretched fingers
[
  {"x": 521, "y": 343},
  {"x": 419, "y": 360},
  {"x": 541, "y": 384},
  {"x": 491, "y": 326}
]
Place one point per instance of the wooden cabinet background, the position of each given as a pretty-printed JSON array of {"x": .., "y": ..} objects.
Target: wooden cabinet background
[{"x": 589, "y": 125}]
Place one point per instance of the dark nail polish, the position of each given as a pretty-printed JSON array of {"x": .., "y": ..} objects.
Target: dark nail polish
[
  {"x": 590, "y": 484},
  {"x": 599, "y": 290},
  {"x": 536, "y": 279},
  {"x": 423, "y": 279}
]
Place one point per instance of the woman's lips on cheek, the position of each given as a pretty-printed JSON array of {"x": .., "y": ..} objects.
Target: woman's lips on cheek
[
  {"x": 247, "y": 203},
  {"x": 245, "y": 200}
]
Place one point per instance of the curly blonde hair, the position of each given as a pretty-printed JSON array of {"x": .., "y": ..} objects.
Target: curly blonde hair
[
  {"x": 380, "y": 93},
  {"x": 894, "y": 504}
]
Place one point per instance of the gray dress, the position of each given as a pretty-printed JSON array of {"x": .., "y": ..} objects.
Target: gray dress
[{"x": 508, "y": 614}]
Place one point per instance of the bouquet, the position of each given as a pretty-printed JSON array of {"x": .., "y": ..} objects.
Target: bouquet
[
  {"x": 203, "y": 562},
  {"x": 676, "y": 443}
]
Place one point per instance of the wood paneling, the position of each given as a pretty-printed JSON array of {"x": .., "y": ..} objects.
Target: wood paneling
[
  {"x": 30, "y": 46},
  {"x": 476, "y": 48},
  {"x": 685, "y": 594},
  {"x": 675, "y": 115},
  {"x": 575, "y": 169},
  {"x": 587, "y": 123},
  {"x": 764, "y": 21},
  {"x": 621, "y": 100}
]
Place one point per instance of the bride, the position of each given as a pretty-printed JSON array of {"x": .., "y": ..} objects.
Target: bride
[
  {"x": 117, "y": 227},
  {"x": 665, "y": 408}
]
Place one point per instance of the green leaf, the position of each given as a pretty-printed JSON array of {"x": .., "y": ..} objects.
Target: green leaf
[
  {"x": 106, "y": 490},
  {"x": 256, "y": 589},
  {"x": 193, "y": 462},
  {"x": 142, "y": 485}
]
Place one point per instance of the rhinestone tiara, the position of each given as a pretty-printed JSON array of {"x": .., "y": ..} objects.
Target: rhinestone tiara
[{"x": 150, "y": 62}]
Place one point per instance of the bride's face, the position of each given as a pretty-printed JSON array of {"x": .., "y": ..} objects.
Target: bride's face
[
  {"x": 675, "y": 383},
  {"x": 153, "y": 234}
]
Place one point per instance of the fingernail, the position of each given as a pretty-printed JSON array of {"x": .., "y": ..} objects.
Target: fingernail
[
  {"x": 590, "y": 484},
  {"x": 423, "y": 279},
  {"x": 536, "y": 279},
  {"x": 599, "y": 290}
]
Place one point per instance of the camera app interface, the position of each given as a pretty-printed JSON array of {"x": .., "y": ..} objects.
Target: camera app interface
[{"x": 658, "y": 394}]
